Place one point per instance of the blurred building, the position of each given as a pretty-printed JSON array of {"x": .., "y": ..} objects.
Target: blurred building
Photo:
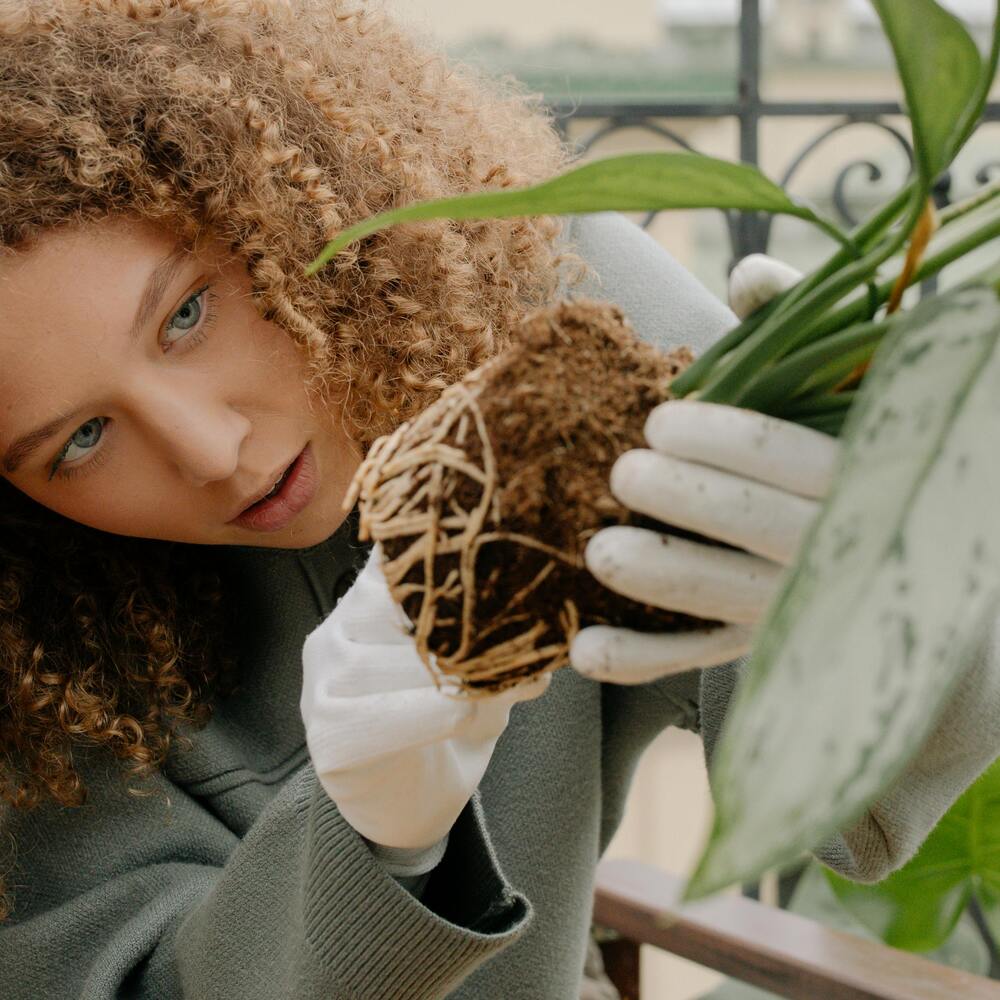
[{"x": 828, "y": 30}]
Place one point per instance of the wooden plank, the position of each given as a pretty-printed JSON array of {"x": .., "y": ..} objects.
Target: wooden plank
[
  {"x": 621, "y": 966},
  {"x": 770, "y": 948}
]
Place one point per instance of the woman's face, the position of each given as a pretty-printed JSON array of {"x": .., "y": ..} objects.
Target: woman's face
[{"x": 142, "y": 394}]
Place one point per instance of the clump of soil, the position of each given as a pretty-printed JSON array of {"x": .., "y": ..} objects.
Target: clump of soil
[{"x": 484, "y": 504}]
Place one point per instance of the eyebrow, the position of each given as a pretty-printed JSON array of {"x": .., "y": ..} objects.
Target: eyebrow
[{"x": 157, "y": 283}]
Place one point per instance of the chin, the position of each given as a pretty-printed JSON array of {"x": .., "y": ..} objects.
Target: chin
[{"x": 295, "y": 536}]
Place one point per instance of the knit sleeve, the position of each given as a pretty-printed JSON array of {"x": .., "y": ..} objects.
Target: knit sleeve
[
  {"x": 963, "y": 743},
  {"x": 667, "y": 306},
  {"x": 155, "y": 899},
  {"x": 664, "y": 302}
]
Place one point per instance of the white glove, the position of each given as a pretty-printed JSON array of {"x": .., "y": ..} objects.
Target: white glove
[
  {"x": 756, "y": 280},
  {"x": 749, "y": 480},
  {"x": 398, "y": 757}
]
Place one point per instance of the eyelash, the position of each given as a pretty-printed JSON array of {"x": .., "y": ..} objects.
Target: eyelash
[{"x": 192, "y": 340}]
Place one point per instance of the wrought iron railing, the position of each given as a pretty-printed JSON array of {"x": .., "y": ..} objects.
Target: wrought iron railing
[{"x": 750, "y": 232}]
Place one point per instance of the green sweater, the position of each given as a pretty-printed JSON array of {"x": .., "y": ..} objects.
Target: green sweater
[{"x": 240, "y": 879}]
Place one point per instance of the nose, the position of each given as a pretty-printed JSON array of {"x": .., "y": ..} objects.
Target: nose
[{"x": 201, "y": 435}]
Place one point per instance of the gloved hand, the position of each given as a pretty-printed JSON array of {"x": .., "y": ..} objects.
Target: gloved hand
[
  {"x": 730, "y": 474},
  {"x": 398, "y": 757}
]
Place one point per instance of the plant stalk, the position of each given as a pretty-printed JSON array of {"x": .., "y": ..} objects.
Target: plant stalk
[
  {"x": 817, "y": 405},
  {"x": 918, "y": 244},
  {"x": 963, "y": 208},
  {"x": 858, "y": 309},
  {"x": 863, "y": 236},
  {"x": 783, "y": 332},
  {"x": 792, "y": 375}
]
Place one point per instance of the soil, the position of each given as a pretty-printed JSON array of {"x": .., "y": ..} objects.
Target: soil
[{"x": 485, "y": 503}]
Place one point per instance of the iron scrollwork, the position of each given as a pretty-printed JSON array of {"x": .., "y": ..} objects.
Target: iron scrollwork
[{"x": 750, "y": 232}]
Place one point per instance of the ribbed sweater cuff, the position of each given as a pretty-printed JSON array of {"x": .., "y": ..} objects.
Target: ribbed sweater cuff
[
  {"x": 405, "y": 862},
  {"x": 375, "y": 938}
]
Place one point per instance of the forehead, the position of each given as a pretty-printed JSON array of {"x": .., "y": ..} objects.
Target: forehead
[
  {"x": 64, "y": 300},
  {"x": 77, "y": 256}
]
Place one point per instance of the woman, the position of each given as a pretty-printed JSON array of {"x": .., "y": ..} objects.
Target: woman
[{"x": 189, "y": 815}]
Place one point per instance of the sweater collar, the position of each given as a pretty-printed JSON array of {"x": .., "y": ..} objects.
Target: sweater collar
[{"x": 327, "y": 568}]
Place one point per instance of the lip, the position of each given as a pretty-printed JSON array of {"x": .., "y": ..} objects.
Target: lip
[
  {"x": 295, "y": 495},
  {"x": 263, "y": 492}
]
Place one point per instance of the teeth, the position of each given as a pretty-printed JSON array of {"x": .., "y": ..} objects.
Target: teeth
[{"x": 274, "y": 489}]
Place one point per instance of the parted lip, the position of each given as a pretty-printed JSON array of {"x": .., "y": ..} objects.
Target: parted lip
[{"x": 264, "y": 490}]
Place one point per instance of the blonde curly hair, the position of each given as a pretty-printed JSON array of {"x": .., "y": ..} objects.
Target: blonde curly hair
[{"x": 270, "y": 125}]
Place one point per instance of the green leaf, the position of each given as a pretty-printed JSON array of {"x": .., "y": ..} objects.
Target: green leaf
[
  {"x": 635, "y": 182},
  {"x": 988, "y": 894},
  {"x": 975, "y": 110},
  {"x": 895, "y": 582},
  {"x": 917, "y": 907},
  {"x": 942, "y": 73}
]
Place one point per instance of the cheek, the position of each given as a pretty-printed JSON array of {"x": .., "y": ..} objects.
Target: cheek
[
  {"x": 279, "y": 364},
  {"x": 140, "y": 510}
]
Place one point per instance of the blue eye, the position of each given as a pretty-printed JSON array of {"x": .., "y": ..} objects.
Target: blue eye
[
  {"x": 193, "y": 320},
  {"x": 85, "y": 438},
  {"x": 187, "y": 318},
  {"x": 189, "y": 314}
]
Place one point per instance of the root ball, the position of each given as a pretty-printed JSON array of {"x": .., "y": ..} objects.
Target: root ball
[{"x": 484, "y": 503}]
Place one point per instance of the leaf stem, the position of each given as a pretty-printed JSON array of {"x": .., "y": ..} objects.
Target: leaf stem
[
  {"x": 963, "y": 208},
  {"x": 828, "y": 423},
  {"x": 862, "y": 237},
  {"x": 816, "y": 405},
  {"x": 785, "y": 330},
  {"x": 792, "y": 375},
  {"x": 693, "y": 375},
  {"x": 918, "y": 244},
  {"x": 919, "y": 239},
  {"x": 858, "y": 309}
]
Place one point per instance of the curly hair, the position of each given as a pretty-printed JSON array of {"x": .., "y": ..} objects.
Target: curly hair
[{"x": 271, "y": 126}]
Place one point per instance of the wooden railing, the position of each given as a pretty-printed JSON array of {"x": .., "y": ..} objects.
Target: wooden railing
[{"x": 778, "y": 951}]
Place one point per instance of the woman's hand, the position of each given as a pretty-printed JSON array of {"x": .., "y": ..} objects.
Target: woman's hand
[
  {"x": 399, "y": 758},
  {"x": 748, "y": 480},
  {"x": 728, "y": 474}
]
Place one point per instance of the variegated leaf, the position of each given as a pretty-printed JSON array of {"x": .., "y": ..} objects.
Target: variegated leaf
[{"x": 894, "y": 583}]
